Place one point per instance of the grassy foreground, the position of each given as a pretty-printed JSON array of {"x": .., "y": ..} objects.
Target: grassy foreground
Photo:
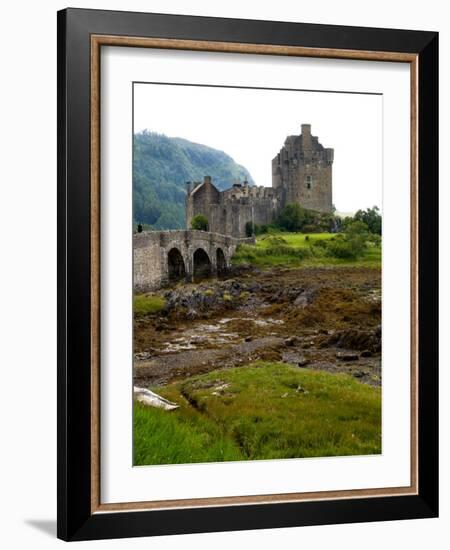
[
  {"x": 294, "y": 249},
  {"x": 262, "y": 411}
]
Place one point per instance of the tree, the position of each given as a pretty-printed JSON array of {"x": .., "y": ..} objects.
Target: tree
[
  {"x": 200, "y": 222},
  {"x": 293, "y": 217},
  {"x": 372, "y": 218}
]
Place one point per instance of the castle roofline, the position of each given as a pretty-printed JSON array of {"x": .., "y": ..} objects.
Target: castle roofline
[
  {"x": 197, "y": 188},
  {"x": 206, "y": 180}
]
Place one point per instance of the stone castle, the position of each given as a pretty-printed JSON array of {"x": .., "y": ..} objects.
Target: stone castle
[{"x": 301, "y": 173}]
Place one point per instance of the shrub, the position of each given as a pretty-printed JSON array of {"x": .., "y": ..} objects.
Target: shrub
[
  {"x": 321, "y": 243},
  {"x": 298, "y": 219},
  {"x": 343, "y": 249},
  {"x": 245, "y": 252},
  {"x": 357, "y": 227},
  {"x": 147, "y": 304},
  {"x": 293, "y": 217},
  {"x": 375, "y": 239},
  {"x": 200, "y": 222},
  {"x": 283, "y": 250},
  {"x": 262, "y": 229},
  {"x": 274, "y": 240},
  {"x": 311, "y": 228},
  {"x": 346, "y": 246}
]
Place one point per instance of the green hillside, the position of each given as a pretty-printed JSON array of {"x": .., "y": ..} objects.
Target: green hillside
[{"x": 161, "y": 167}]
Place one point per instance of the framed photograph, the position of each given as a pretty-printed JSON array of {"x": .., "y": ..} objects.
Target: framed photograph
[{"x": 247, "y": 252}]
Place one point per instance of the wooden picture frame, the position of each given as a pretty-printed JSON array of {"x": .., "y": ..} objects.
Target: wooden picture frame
[{"x": 81, "y": 35}]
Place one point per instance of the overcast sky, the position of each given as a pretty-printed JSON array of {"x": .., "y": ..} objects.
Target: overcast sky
[{"x": 251, "y": 125}]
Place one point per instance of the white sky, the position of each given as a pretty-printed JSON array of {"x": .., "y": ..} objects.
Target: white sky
[{"x": 251, "y": 125}]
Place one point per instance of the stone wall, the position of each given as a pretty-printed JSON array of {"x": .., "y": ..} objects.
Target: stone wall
[{"x": 229, "y": 211}]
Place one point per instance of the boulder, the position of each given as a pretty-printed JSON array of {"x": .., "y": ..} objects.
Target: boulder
[
  {"x": 347, "y": 356},
  {"x": 361, "y": 340},
  {"x": 291, "y": 341},
  {"x": 152, "y": 399}
]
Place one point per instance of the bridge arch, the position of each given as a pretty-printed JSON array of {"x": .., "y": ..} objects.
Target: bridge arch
[
  {"x": 156, "y": 263},
  {"x": 175, "y": 265},
  {"x": 202, "y": 266},
  {"x": 221, "y": 261}
]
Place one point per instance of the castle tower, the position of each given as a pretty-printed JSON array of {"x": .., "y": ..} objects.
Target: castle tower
[
  {"x": 202, "y": 198},
  {"x": 302, "y": 172}
]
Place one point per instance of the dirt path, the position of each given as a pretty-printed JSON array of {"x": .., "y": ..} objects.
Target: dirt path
[{"x": 166, "y": 368}]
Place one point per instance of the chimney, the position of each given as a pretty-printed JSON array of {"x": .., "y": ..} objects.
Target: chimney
[
  {"x": 188, "y": 187},
  {"x": 306, "y": 136},
  {"x": 306, "y": 129},
  {"x": 207, "y": 179}
]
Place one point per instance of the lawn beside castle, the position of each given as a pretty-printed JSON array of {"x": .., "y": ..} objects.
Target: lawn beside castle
[{"x": 298, "y": 249}]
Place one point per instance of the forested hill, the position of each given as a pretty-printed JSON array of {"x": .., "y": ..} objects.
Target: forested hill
[{"x": 161, "y": 168}]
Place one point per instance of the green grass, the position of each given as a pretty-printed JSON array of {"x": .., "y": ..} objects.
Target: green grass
[
  {"x": 144, "y": 304},
  {"x": 162, "y": 437},
  {"x": 294, "y": 249},
  {"x": 261, "y": 411}
]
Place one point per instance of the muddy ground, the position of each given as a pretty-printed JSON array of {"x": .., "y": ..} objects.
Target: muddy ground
[{"x": 319, "y": 318}]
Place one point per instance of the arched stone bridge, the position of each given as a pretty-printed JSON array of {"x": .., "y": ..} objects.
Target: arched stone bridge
[{"x": 164, "y": 256}]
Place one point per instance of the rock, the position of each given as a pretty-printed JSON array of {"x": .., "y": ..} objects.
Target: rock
[
  {"x": 219, "y": 391},
  {"x": 248, "y": 338},
  {"x": 152, "y": 399},
  {"x": 301, "y": 300},
  {"x": 366, "y": 353},
  {"x": 192, "y": 314},
  {"x": 347, "y": 356},
  {"x": 359, "y": 374},
  {"x": 302, "y": 361},
  {"x": 291, "y": 341},
  {"x": 143, "y": 355},
  {"x": 354, "y": 339}
]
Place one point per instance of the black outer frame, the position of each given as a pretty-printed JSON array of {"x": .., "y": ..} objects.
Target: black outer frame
[{"x": 75, "y": 521}]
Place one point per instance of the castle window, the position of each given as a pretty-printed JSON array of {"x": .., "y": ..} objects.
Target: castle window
[{"x": 308, "y": 182}]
